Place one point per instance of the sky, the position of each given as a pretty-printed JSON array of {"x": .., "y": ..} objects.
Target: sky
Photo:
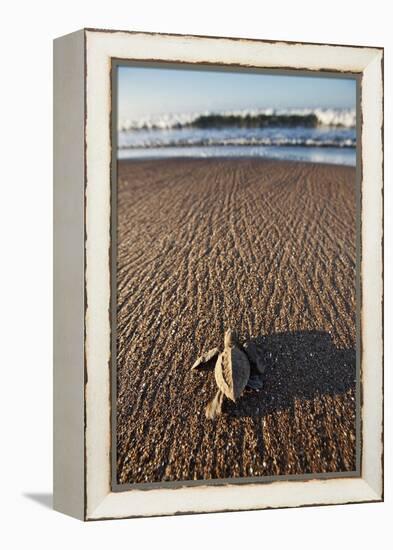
[{"x": 145, "y": 91}]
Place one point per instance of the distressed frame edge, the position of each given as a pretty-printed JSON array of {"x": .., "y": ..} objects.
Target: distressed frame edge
[
  {"x": 236, "y": 38},
  {"x": 372, "y": 269},
  {"x": 375, "y": 493}
]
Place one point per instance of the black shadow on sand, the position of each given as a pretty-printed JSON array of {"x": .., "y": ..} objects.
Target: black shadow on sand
[{"x": 299, "y": 365}]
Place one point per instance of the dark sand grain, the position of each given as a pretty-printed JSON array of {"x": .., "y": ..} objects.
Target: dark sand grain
[{"x": 266, "y": 248}]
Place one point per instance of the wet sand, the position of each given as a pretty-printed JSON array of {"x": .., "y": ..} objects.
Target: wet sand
[{"x": 268, "y": 249}]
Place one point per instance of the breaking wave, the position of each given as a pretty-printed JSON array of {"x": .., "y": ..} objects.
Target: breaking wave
[{"x": 262, "y": 118}]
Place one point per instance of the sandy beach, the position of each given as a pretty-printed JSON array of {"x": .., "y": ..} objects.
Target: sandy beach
[{"x": 268, "y": 249}]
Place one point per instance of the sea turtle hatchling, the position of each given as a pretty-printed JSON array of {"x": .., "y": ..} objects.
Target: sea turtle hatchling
[{"x": 232, "y": 371}]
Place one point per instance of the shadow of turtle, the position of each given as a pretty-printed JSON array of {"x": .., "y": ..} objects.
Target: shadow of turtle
[{"x": 299, "y": 365}]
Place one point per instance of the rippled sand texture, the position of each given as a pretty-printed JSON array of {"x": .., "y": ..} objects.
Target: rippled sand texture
[{"x": 266, "y": 248}]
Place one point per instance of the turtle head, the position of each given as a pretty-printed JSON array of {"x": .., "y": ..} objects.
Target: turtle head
[{"x": 230, "y": 338}]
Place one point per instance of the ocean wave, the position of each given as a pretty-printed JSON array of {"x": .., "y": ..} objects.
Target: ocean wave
[
  {"x": 266, "y": 142},
  {"x": 262, "y": 118}
]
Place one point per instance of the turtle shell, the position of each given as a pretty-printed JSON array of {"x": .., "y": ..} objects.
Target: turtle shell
[{"x": 232, "y": 372}]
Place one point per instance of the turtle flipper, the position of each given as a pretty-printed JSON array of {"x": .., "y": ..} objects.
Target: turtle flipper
[
  {"x": 214, "y": 407},
  {"x": 205, "y": 358}
]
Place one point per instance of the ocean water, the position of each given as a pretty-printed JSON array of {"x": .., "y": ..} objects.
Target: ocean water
[{"x": 327, "y": 136}]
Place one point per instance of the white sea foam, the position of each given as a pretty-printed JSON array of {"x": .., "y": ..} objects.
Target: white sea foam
[{"x": 266, "y": 142}]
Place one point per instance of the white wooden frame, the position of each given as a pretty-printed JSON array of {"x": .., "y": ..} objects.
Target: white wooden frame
[{"x": 82, "y": 104}]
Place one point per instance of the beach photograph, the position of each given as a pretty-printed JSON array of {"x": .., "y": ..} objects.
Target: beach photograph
[{"x": 235, "y": 275}]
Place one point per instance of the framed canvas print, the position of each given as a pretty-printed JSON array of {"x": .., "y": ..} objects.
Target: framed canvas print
[{"x": 218, "y": 274}]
